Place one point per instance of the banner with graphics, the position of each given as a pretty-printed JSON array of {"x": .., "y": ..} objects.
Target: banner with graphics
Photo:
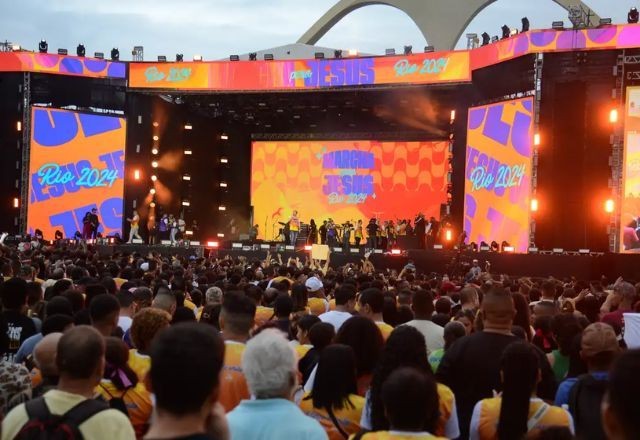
[
  {"x": 498, "y": 173},
  {"x": 630, "y": 210},
  {"x": 346, "y": 180},
  {"x": 61, "y": 65},
  {"x": 76, "y": 164}
]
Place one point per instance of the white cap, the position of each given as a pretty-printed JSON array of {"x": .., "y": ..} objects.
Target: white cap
[
  {"x": 313, "y": 284},
  {"x": 144, "y": 266}
]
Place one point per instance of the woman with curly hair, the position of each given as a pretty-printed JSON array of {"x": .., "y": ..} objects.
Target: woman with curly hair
[{"x": 145, "y": 326}]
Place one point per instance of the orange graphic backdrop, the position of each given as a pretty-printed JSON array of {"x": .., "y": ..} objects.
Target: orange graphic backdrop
[
  {"x": 407, "y": 178},
  {"x": 630, "y": 212}
]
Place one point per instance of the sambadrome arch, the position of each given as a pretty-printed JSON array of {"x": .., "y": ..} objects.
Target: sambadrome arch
[{"x": 442, "y": 22}]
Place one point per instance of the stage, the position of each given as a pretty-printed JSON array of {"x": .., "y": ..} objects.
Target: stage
[{"x": 584, "y": 267}]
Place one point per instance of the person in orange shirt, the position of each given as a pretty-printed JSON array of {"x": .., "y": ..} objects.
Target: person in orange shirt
[
  {"x": 237, "y": 318},
  {"x": 120, "y": 382},
  {"x": 145, "y": 326},
  {"x": 517, "y": 412},
  {"x": 410, "y": 400},
  {"x": 371, "y": 302},
  {"x": 333, "y": 400}
]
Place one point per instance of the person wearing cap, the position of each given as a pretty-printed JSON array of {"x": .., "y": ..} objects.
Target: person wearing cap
[
  {"x": 475, "y": 270},
  {"x": 317, "y": 303},
  {"x": 623, "y": 298}
]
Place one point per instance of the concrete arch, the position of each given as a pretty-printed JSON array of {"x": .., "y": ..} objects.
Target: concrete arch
[{"x": 442, "y": 22}]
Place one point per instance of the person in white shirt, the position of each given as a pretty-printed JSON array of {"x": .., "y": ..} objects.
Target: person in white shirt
[
  {"x": 127, "y": 309},
  {"x": 422, "y": 306},
  {"x": 345, "y": 297}
]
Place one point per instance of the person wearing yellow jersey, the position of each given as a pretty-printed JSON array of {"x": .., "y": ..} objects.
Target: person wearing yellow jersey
[
  {"x": 133, "y": 232},
  {"x": 371, "y": 302},
  {"x": 517, "y": 412},
  {"x": 317, "y": 302},
  {"x": 406, "y": 347},
  {"x": 146, "y": 324},
  {"x": 333, "y": 400},
  {"x": 294, "y": 228},
  {"x": 237, "y": 318},
  {"x": 410, "y": 401},
  {"x": 358, "y": 233}
]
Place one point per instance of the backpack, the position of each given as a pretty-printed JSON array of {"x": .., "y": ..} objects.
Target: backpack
[
  {"x": 117, "y": 402},
  {"x": 44, "y": 425},
  {"x": 585, "y": 399}
]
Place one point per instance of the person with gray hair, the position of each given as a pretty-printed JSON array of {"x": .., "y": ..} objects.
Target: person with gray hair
[
  {"x": 213, "y": 295},
  {"x": 269, "y": 366}
]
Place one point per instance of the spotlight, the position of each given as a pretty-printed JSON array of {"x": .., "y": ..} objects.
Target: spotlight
[
  {"x": 62, "y": 51},
  {"x": 154, "y": 151},
  {"x": 224, "y": 137},
  {"x": 605, "y": 22},
  {"x": 156, "y": 137},
  {"x": 179, "y": 58},
  {"x": 337, "y": 53},
  {"x": 223, "y": 184},
  {"x": 486, "y": 39},
  {"x": 212, "y": 244},
  {"x": 613, "y": 116},
  {"x": 408, "y": 50},
  {"x": 16, "y": 202},
  {"x": 234, "y": 58},
  {"x": 429, "y": 49},
  {"x": 308, "y": 247},
  {"x": 154, "y": 164},
  {"x": 197, "y": 58},
  {"x": 99, "y": 55},
  {"x": 154, "y": 177},
  {"x": 222, "y": 208},
  {"x": 186, "y": 177},
  {"x": 188, "y": 152},
  {"x": 453, "y": 116},
  {"x": 152, "y": 204},
  {"x": 43, "y": 46},
  {"x": 115, "y": 54},
  {"x": 155, "y": 123},
  {"x": 448, "y": 235},
  {"x": 19, "y": 126},
  {"x": 353, "y": 52},
  {"x": 80, "y": 50},
  {"x": 534, "y": 205},
  {"x": 633, "y": 16},
  {"x": 268, "y": 57},
  {"x": 136, "y": 174},
  {"x": 557, "y": 25},
  {"x": 188, "y": 126},
  {"x": 390, "y": 52},
  {"x": 396, "y": 251},
  {"x": 319, "y": 55},
  {"x": 162, "y": 59},
  {"x": 220, "y": 235},
  {"x": 536, "y": 139},
  {"x": 508, "y": 249},
  {"x": 609, "y": 206},
  {"x": 525, "y": 24},
  {"x": 152, "y": 191},
  {"x": 224, "y": 160},
  {"x": 186, "y": 203},
  {"x": 253, "y": 56},
  {"x": 506, "y": 32}
]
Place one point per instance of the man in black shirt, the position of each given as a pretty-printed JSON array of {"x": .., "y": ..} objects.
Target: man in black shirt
[
  {"x": 471, "y": 366},
  {"x": 20, "y": 327}
]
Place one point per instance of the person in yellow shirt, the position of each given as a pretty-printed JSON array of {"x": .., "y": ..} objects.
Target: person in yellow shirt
[
  {"x": 237, "y": 318},
  {"x": 302, "y": 343},
  {"x": 406, "y": 347},
  {"x": 317, "y": 301},
  {"x": 371, "y": 302},
  {"x": 410, "y": 400},
  {"x": 145, "y": 326},
  {"x": 294, "y": 228},
  {"x": 358, "y": 233},
  {"x": 517, "y": 412},
  {"x": 333, "y": 400}
]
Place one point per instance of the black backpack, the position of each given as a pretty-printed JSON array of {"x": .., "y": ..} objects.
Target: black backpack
[
  {"x": 117, "y": 402},
  {"x": 585, "y": 399},
  {"x": 44, "y": 425}
]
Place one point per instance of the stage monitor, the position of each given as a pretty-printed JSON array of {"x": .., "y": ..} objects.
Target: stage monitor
[
  {"x": 630, "y": 210},
  {"x": 76, "y": 164},
  {"x": 346, "y": 181},
  {"x": 498, "y": 173}
]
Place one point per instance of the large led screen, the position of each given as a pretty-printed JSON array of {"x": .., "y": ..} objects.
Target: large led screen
[
  {"x": 498, "y": 173},
  {"x": 76, "y": 164},
  {"x": 630, "y": 211},
  {"x": 346, "y": 180}
]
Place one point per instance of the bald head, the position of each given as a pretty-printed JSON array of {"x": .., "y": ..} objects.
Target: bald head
[
  {"x": 80, "y": 353},
  {"x": 165, "y": 300},
  {"x": 44, "y": 354},
  {"x": 498, "y": 309}
]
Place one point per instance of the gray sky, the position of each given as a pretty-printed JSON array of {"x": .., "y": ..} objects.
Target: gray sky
[{"x": 217, "y": 28}]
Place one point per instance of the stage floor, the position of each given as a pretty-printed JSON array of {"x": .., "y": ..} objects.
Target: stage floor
[{"x": 585, "y": 267}]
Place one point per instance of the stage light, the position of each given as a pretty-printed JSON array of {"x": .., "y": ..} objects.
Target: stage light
[
  {"x": 213, "y": 244},
  {"x": 16, "y": 202},
  {"x": 396, "y": 251},
  {"x": 224, "y": 137},
  {"x": 557, "y": 25},
  {"x": 179, "y": 58},
  {"x": 253, "y": 56},
  {"x": 408, "y": 50},
  {"x": 613, "y": 115},
  {"x": 99, "y": 55},
  {"x": 506, "y": 32},
  {"x": 486, "y": 39},
  {"x": 152, "y": 191},
  {"x": 223, "y": 184},
  {"x": 484, "y": 246},
  {"x": 353, "y": 52},
  {"x": 224, "y": 160},
  {"x": 186, "y": 177},
  {"x": 605, "y": 22},
  {"x": 453, "y": 116},
  {"x": 154, "y": 164},
  {"x": 308, "y": 248},
  {"x": 448, "y": 235},
  {"x": 188, "y": 152},
  {"x": 19, "y": 126},
  {"x": 152, "y": 204},
  {"x": 62, "y": 51},
  {"x": 268, "y": 57},
  {"x": 525, "y": 24},
  {"x": 162, "y": 59},
  {"x": 197, "y": 58},
  {"x": 390, "y": 52},
  {"x": 318, "y": 55},
  {"x": 633, "y": 16},
  {"x": 154, "y": 151},
  {"x": 186, "y": 203},
  {"x": 155, "y": 123},
  {"x": 220, "y": 235},
  {"x": 234, "y": 57},
  {"x": 222, "y": 208},
  {"x": 337, "y": 53},
  {"x": 43, "y": 46},
  {"x": 509, "y": 249},
  {"x": 534, "y": 205},
  {"x": 188, "y": 126},
  {"x": 156, "y": 137},
  {"x": 136, "y": 174},
  {"x": 536, "y": 139},
  {"x": 115, "y": 54},
  {"x": 80, "y": 50},
  {"x": 154, "y": 177},
  {"x": 609, "y": 206},
  {"x": 429, "y": 49}
]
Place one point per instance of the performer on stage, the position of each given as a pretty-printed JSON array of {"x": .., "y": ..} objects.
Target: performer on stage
[
  {"x": 312, "y": 238},
  {"x": 95, "y": 223},
  {"x": 433, "y": 229},
  {"x": 294, "y": 228},
  {"x": 133, "y": 232},
  {"x": 358, "y": 233},
  {"x": 420, "y": 229},
  {"x": 322, "y": 230},
  {"x": 86, "y": 226},
  {"x": 253, "y": 232}
]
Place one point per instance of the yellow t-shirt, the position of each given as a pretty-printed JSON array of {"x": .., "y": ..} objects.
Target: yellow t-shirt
[
  {"x": 233, "y": 385},
  {"x": 349, "y": 418},
  {"x": 110, "y": 423},
  {"x": 332, "y": 304},
  {"x": 397, "y": 435},
  {"x": 318, "y": 306},
  {"x": 486, "y": 414},
  {"x": 301, "y": 350},
  {"x": 137, "y": 400},
  {"x": 385, "y": 328},
  {"x": 189, "y": 305},
  {"x": 294, "y": 224},
  {"x": 140, "y": 363},
  {"x": 446, "y": 401},
  {"x": 263, "y": 315}
]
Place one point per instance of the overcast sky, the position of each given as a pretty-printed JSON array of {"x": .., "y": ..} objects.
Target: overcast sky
[{"x": 217, "y": 28}]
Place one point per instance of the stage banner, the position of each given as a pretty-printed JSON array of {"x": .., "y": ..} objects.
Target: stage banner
[
  {"x": 427, "y": 68},
  {"x": 346, "y": 180},
  {"x": 630, "y": 210},
  {"x": 61, "y": 65},
  {"x": 498, "y": 173},
  {"x": 76, "y": 164}
]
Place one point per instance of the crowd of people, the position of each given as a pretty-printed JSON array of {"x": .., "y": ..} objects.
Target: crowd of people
[{"x": 144, "y": 346}]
